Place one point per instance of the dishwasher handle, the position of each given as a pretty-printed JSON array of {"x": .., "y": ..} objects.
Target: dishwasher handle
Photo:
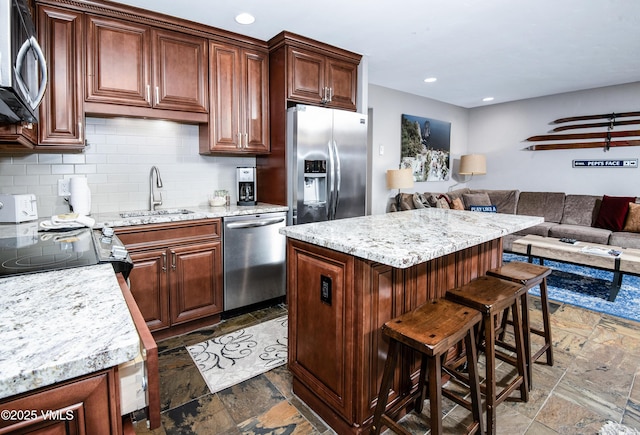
[{"x": 254, "y": 223}]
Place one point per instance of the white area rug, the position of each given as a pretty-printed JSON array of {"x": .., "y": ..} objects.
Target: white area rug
[
  {"x": 240, "y": 355},
  {"x": 612, "y": 428}
]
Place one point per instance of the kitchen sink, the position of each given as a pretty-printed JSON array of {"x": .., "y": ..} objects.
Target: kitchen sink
[{"x": 147, "y": 213}]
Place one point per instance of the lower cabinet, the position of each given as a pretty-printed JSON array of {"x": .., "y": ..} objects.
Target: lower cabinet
[
  {"x": 177, "y": 274},
  {"x": 87, "y": 405}
]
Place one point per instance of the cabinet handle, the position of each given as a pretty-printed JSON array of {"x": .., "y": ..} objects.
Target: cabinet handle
[
  {"x": 157, "y": 95},
  {"x": 324, "y": 95},
  {"x": 173, "y": 260},
  {"x": 164, "y": 261},
  {"x": 246, "y": 140},
  {"x": 148, "y": 99},
  {"x": 80, "y": 132},
  {"x": 239, "y": 140},
  {"x": 330, "y": 94}
]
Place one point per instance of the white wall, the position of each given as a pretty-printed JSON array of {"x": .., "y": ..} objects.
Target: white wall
[
  {"x": 117, "y": 162},
  {"x": 499, "y": 132},
  {"x": 387, "y": 107}
]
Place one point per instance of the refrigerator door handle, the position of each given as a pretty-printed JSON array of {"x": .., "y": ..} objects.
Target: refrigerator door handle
[
  {"x": 331, "y": 181},
  {"x": 338, "y": 179}
]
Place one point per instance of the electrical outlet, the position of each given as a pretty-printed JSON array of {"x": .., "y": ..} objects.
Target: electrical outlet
[
  {"x": 325, "y": 289},
  {"x": 63, "y": 187}
]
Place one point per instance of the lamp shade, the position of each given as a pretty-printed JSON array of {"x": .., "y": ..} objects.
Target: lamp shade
[
  {"x": 473, "y": 164},
  {"x": 399, "y": 179}
]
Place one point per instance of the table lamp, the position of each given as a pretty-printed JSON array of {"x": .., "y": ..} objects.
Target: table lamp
[{"x": 399, "y": 179}]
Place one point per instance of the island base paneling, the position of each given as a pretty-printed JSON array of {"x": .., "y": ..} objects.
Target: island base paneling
[{"x": 337, "y": 305}]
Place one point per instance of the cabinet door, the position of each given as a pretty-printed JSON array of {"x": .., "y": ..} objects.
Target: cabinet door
[
  {"x": 196, "y": 281},
  {"x": 179, "y": 72},
  {"x": 321, "y": 350},
  {"x": 62, "y": 109},
  {"x": 255, "y": 98},
  {"x": 342, "y": 81},
  {"x": 306, "y": 76},
  {"x": 118, "y": 62},
  {"x": 149, "y": 286},
  {"x": 224, "y": 134},
  {"x": 239, "y": 121},
  {"x": 82, "y": 406}
]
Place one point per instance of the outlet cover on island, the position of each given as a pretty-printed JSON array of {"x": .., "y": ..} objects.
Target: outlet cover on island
[{"x": 63, "y": 187}]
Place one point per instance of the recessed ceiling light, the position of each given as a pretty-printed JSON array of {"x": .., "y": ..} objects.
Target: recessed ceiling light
[
  {"x": 245, "y": 18},
  {"x": 430, "y": 79},
  {"x": 487, "y": 99}
]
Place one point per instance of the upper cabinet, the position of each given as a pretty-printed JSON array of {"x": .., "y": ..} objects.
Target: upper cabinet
[
  {"x": 239, "y": 93},
  {"x": 315, "y": 73},
  {"x": 130, "y": 64},
  {"x": 62, "y": 109}
]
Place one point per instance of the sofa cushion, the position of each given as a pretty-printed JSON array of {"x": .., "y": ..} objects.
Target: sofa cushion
[
  {"x": 632, "y": 223},
  {"x": 548, "y": 205},
  {"x": 625, "y": 239},
  {"x": 539, "y": 230},
  {"x": 420, "y": 201},
  {"x": 613, "y": 212},
  {"x": 457, "y": 193},
  {"x": 470, "y": 199},
  {"x": 505, "y": 201},
  {"x": 581, "y": 233},
  {"x": 581, "y": 209},
  {"x": 457, "y": 204}
]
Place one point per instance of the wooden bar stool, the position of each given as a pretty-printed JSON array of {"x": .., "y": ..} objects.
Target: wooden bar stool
[
  {"x": 491, "y": 296},
  {"x": 530, "y": 275},
  {"x": 431, "y": 329}
]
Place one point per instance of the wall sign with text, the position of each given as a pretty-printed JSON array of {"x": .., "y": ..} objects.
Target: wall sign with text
[{"x": 625, "y": 163}]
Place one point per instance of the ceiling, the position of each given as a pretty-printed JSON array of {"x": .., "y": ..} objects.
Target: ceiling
[{"x": 505, "y": 49}]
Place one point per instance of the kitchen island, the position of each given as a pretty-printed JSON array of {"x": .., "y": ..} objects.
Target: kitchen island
[
  {"x": 346, "y": 278},
  {"x": 63, "y": 335}
]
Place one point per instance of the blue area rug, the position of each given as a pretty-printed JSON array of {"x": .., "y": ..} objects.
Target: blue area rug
[{"x": 588, "y": 288}]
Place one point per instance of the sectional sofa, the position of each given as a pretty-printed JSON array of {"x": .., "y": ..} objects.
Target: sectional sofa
[{"x": 607, "y": 220}]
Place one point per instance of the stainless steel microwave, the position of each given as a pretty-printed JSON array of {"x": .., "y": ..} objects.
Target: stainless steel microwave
[{"x": 23, "y": 70}]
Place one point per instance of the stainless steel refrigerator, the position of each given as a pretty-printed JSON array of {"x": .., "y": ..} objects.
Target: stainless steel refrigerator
[{"x": 327, "y": 164}]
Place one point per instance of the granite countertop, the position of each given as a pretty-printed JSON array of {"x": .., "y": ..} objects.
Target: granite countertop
[
  {"x": 62, "y": 324},
  {"x": 404, "y": 239},
  {"x": 113, "y": 219}
]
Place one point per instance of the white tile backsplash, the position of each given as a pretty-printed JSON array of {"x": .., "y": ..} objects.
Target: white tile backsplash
[{"x": 117, "y": 163}]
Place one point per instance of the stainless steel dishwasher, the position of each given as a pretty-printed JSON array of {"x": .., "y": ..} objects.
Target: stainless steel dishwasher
[{"x": 254, "y": 259}]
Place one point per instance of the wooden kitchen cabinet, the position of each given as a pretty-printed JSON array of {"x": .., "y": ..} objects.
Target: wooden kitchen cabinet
[
  {"x": 177, "y": 275},
  {"x": 130, "y": 64},
  {"x": 239, "y": 95},
  {"x": 62, "y": 109},
  {"x": 311, "y": 72},
  {"x": 148, "y": 286},
  {"x": 314, "y": 78},
  {"x": 87, "y": 405}
]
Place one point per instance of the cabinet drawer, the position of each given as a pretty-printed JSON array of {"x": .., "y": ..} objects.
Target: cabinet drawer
[{"x": 156, "y": 235}]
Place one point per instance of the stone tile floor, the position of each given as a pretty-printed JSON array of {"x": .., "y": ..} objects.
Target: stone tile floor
[{"x": 595, "y": 378}]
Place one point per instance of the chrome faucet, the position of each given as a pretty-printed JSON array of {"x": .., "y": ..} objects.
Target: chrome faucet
[{"x": 152, "y": 197}]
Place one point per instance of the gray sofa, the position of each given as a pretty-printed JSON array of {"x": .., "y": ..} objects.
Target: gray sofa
[{"x": 565, "y": 215}]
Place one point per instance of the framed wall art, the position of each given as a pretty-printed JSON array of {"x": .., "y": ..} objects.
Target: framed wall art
[{"x": 425, "y": 147}]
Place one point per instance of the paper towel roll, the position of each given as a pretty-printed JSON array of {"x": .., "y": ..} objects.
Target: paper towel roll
[{"x": 80, "y": 199}]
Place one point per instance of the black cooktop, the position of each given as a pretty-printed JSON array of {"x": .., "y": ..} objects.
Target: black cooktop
[{"x": 46, "y": 251}]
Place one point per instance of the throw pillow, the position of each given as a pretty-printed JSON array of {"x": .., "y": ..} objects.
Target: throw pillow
[
  {"x": 633, "y": 218},
  {"x": 419, "y": 201},
  {"x": 442, "y": 203},
  {"x": 456, "y": 204},
  {"x": 475, "y": 199},
  {"x": 613, "y": 212}
]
